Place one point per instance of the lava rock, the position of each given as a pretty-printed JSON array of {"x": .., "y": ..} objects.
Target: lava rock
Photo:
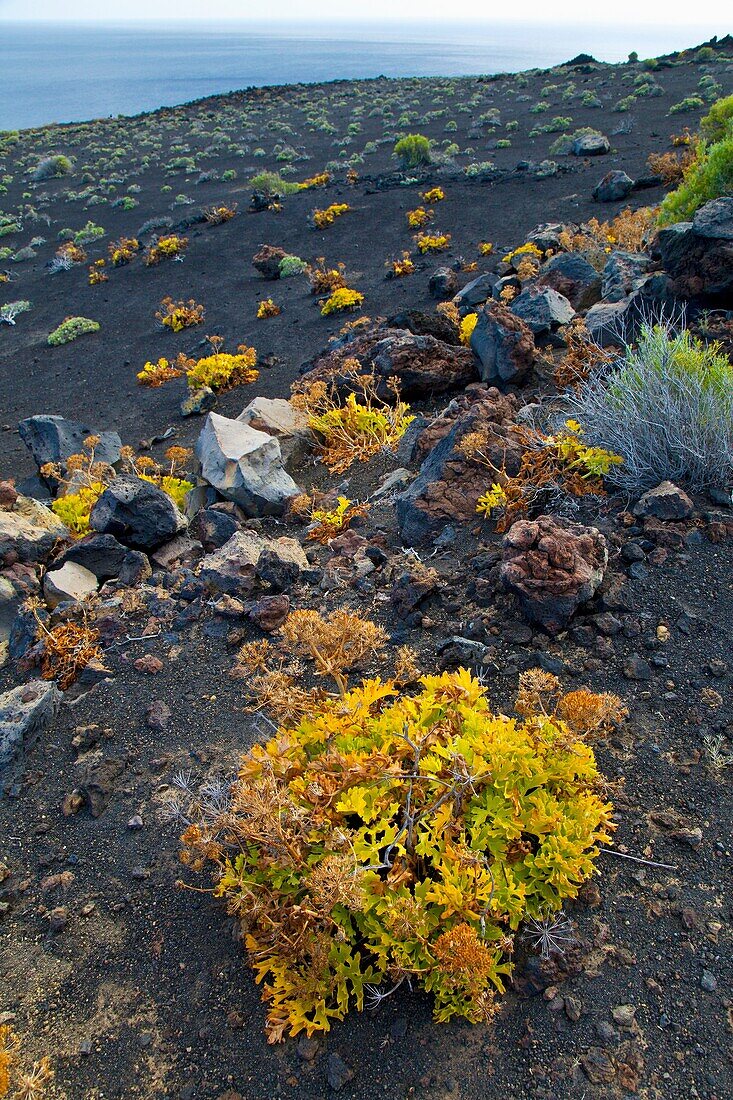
[
  {"x": 30, "y": 531},
  {"x": 71, "y": 582},
  {"x": 553, "y": 566},
  {"x": 542, "y": 309},
  {"x": 138, "y": 514},
  {"x": 213, "y": 527},
  {"x": 623, "y": 274},
  {"x": 280, "y": 418},
  {"x": 54, "y": 439},
  {"x": 25, "y": 713},
  {"x": 573, "y": 277},
  {"x": 590, "y": 145},
  {"x": 449, "y": 484},
  {"x": 698, "y": 255},
  {"x": 614, "y": 187},
  {"x": 443, "y": 284},
  {"x": 476, "y": 292},
  {"x": 423, "y": 364},
  {"x": 234, "y": 567},
  {"x": 245, "y": 466},
  {"x": 267, "y": 260},
  {"x": 666, "y": 501},
  {"x": 503, "y": 343},
  {"x": 102, "y": 555},
  {"x": 270, "y": 612}
]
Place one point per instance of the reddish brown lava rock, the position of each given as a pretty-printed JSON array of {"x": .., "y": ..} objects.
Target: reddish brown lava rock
[
  {"x": 422, "y": 364},
  {"x": 267, "y": 261},
  {"x": 270, "y": 612},
  {"x": 553, "y": 566},
  {"x": 450, "y": 482}
]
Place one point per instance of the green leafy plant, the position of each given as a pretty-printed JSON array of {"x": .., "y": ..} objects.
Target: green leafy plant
[
  {"x": 71, "y": 329},
  {"x": 665, "y": 406},
  {"x": 388, "y": 839},
  {"x": 413, "y": 150}
]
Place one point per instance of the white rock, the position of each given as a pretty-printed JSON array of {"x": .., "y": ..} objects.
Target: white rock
[
  {"x": 278, "y": 417},
  {"x": 244, "y": 465},
  {"x": 71, "y": 582},
  {"x": 30, "y": 529}
]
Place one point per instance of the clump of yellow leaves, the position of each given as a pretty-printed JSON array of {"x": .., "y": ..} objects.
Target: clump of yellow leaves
[
  {"x": 388, "y": 839},
  {"x": 323, "y": 218},
  {"x": 355, "y": 427},
  {"x": 329, "y": 522},
  {"x": 561, "y": 462}
]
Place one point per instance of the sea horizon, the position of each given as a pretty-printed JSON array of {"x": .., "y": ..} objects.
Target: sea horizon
[{"x": 73, "y": 72}]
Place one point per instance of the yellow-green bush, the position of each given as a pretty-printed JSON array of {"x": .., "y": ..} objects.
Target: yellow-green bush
[
  {"x": 389, "y": 839},
  {"x": 70, "y": 329},
  {"x": 710, "y": 174}
]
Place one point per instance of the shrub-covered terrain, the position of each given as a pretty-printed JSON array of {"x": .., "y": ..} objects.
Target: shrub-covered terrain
[{"x": 365, "y": 591}]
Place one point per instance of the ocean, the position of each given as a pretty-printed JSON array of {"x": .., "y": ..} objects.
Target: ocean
[{"x": 69, "y": 73}]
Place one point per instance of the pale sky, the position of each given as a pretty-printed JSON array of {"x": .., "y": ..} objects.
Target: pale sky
[{"x": 710, "y": 16}]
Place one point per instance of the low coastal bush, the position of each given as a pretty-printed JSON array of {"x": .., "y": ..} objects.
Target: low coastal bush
[
  {"x": 389, "y": 839},
  {"x": 273, "y": 184},
  {"x": 355, "y": 427},
  {"x": 52, "y": 168},
  {"x": 71, "y": 329},
  {"x": 413, "y": 150},
  {"x": 11, "y": 310},
  {"x": 666, "y": 406},
  {"x": 709, "y": 173},
  {"x": 179, "y": 315}
]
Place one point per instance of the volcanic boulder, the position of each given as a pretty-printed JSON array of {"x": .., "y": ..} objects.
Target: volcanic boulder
[
  {"x": 553, "y": 566},
  {"x": 245, "y": 466}
]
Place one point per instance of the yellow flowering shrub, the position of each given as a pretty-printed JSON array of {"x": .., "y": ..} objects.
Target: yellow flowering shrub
[
  {"x": 157, "y": 374},
  {"x": 267, "y": 308},
  {"x": 166, "y": 248},
  {"x": 356, "y": 427},
  {"x": 550, "y": 463},
  {"x": 179, "y": 315},
  {"x": 121, "y": 252},
  {"x": 433, "y": 242},
  {"x": 398, "y": 269},
  {"x": 322, "y": 179},
  {"x": 485, "y": 248},
  {"x": 435, "y": 194},
  {"x": 387, "y": 839},
  {"x": 419, "y": 217},
  {"x": 221, "y": 371},
  {"x": 341, "y": 299},
  {"x": 329, "y": 522},
  {"x": 323, "y": 218},
  {"x": 528, "y": 249}
]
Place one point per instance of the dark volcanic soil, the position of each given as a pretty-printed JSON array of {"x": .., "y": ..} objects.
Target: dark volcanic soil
[{"x": 137, "y": 987}]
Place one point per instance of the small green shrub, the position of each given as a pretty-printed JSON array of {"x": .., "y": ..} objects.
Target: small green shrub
[
  {"x": 273, "y": 184},
  {"x": 292, "y": 265},
  {"x": 710, "y": 176},
  {"x": 71, "y": 329},
  {"x": 717, "y": 124},
  {"x": 89, "y": 233},
  {"x": 413, "y": 150},
  {"x": 689, "y": 103},
  {"x": 52, "y": 168},
  {"x": 666, "y": 406}
]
